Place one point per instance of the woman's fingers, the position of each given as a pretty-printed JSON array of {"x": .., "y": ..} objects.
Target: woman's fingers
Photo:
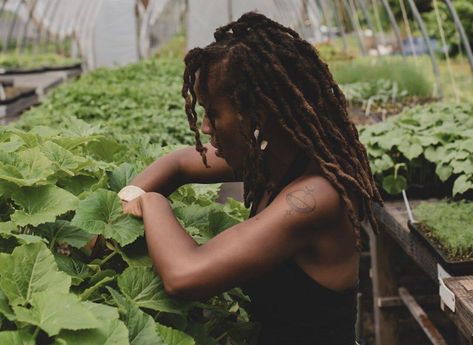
[{"x": 132, "y": 208}]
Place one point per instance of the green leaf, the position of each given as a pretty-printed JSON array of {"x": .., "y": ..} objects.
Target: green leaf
[
  {"x": 136, "y": 253},
  {"x": 463, "y": 167},
  {"x": 53, "y": 312},
  {"x": 41, "y": 204},
  {"x": 5, "y": 308},
  {"x": 30, "y": 139},
  {"x": 443, "y": 171},
  {"x": 16, "y": 338},
  {"x": 109, "y": 329},
  {"x": 171, "y": 336},
  {"x": 121, "y": 176},
  {"x": 7, "y": 227},
  {"x": 63, "y": 159},
  {"x": 30, "y": 268},
  {"x": 82, "y": 185},
  {"x": 220, "y": 221},
  {"x": 77, "y": 270},
  {"x": 435, "y": 155},
  {"x": 382, "y": 164},
  {"x": 101, "y": 214},
  {"x": 394, "y": 185},
  {"x": 141, "y": 326},
  {"x": 30, "y": 167},
  {"x": 461, "y": 185},
  {"x": 146, "y": 289},
  {"x": 410, "y": 150},
  {"x": 11, "y": 146},
  {"x": 27, "y": 239},
  {"x": 62, "y": 232},
  {"x": 105, "y": 149}
]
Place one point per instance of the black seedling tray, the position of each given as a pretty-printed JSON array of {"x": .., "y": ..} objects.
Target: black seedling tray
[
  {"x": 454, "y": 267},
  {"x": 62, "y": 68}
]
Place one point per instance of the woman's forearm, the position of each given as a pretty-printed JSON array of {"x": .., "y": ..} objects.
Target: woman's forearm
[
  {"x": 162, "y": 176},
  {"x": 170, "y": 247}
]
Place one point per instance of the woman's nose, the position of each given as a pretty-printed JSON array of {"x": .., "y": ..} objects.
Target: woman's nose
[{"x": 206, "y": 128}]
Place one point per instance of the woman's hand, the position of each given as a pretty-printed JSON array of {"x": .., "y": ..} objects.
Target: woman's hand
[{"x": 135, "y": 207}]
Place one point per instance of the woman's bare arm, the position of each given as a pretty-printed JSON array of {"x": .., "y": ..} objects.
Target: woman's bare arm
[
  {"x": 244, "y": 250},
  {"x": 183, "y": 166}
]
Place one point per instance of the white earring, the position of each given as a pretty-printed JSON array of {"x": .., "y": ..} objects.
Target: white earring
[{"x": 264, "y": 143}]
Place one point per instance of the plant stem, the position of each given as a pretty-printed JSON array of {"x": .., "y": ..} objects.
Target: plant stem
[
  {"x": 35, "y": 334},
  {"x": 108, "y": 257},
  {"x": 221, "y": 337}
]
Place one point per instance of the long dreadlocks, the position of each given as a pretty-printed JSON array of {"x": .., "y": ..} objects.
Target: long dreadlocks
[{"x": 269, "y": 68}]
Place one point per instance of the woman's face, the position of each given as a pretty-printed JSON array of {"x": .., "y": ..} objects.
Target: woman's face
[{"x": 225, "y": 132}]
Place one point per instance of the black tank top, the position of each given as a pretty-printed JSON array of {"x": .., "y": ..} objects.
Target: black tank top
[{"x": 292, "y": 308}]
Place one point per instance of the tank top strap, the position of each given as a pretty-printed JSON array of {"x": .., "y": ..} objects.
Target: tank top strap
[{"x": 295, "y": 170}]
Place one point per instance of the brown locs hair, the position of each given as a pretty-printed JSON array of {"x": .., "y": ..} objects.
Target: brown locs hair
[{"x": 269, "y": 68}]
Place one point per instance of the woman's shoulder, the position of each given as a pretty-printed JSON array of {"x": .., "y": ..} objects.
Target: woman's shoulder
[{"x": 312, "y": 198}]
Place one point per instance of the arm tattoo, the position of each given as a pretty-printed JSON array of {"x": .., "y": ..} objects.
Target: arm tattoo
[{"x": 301, "y": 201}]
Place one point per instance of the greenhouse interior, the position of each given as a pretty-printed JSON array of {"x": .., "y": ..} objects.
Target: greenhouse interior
[{"x": 106, "y": 238}]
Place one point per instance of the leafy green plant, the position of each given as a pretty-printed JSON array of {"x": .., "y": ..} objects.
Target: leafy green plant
[
  {"x": 433, "y": 142},
  {"x": 60, "y": 169},
  {"x": 142, "y": 99},
  {"x": 379, "y": 92},
  {"x": 57, "y": 191},
  {"x": 450, "y": 224}
]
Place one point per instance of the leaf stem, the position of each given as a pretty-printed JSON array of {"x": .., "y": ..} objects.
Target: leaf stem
[
  {"x": 108, "y": 257},
  {"x": 36, "y": 331},
  {"x": 221, "y": 337}
]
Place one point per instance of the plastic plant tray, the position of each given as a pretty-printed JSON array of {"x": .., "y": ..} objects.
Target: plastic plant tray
[
  {"x": 61, "y": 68},
  {"x": 454, "y": 267},
  {"x": 8, "y": 71}
]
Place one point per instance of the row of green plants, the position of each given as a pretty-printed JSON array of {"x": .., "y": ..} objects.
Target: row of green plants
[
  {"x": 370, "y": 84},
  {"x": 60, "y": 170},
  {"x": 408, "y": 75},
  {"x": 429, "y": 146},
  {"x": 379, "y": 93},
  {"x": 9, "y": 61},
  {"x": 143, "y": 98}
]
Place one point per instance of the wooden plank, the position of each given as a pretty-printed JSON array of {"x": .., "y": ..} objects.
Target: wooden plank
[
  {"x": 463, "y": 316},
  {"x": 393, "y": 224},
  {"x": 421, "y": 317},
  {"x": 395, "y": 301},
  {"x": 393, "y": 220},
  {"x": 384, "y": 285}
]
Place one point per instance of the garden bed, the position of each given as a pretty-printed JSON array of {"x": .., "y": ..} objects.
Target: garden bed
[{"x": 380, "y": 112}]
